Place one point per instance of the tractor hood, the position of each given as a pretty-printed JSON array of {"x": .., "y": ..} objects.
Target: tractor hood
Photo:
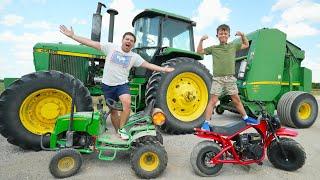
[{"x": 68, "y": 49}]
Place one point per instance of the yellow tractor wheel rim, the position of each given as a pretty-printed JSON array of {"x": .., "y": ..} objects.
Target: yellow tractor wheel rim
[
  {"x": 305, "y": 111},
  {"x": 66, "y": 164},
  {"x": 40, "y": 109},
  {"x": 149, "y": 161},
  {"x": 187, "y": 96}
]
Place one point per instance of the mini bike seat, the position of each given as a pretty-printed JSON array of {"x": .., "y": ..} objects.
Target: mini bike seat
[{"x": 228, "y": 129}]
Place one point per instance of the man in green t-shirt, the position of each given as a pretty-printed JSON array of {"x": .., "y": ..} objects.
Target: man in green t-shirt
[{"x": 223, "y": 56}]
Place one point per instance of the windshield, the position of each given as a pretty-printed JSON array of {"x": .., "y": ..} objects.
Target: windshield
[
  {"x": 176, "y": 34},
  {"x": 147, "y": 31}
]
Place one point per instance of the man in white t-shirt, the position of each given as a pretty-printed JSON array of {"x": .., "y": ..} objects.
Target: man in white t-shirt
[{"x": 116, "y": 70}]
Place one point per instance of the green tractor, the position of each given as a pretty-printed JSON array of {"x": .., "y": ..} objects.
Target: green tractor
[
  {"x": 30, "y": 105},
  {"x": 270, "y": 71}
]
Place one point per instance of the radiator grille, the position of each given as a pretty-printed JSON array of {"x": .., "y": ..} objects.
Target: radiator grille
[{"x": 76, "y": 66}]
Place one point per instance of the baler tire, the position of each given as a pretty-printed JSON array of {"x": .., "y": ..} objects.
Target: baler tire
[
  {"x": 158, "y": 87},
  {"x": 298, "y": 109},
  {"x": 22, "y": 94}
]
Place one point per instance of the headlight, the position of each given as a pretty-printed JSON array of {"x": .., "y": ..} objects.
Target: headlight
[{"x": 158, "y": 117}]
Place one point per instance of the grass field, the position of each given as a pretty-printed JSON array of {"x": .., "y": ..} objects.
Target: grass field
[{"x": 1, "y": 87}]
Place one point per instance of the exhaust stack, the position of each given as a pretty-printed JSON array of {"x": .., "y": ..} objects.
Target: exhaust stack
[
  {"x": 112, "y": 13},
  {"x": 96, "y": 23}
]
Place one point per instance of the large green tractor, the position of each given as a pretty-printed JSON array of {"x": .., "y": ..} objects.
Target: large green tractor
[{"x": 30, "y": 105}]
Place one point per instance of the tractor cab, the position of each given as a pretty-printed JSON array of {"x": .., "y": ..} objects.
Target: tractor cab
[{"x": 155, "y": 29}]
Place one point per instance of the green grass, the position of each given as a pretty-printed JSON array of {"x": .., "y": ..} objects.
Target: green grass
[
  {"x": 315, "y": 92},
  {"x": 1, "y": 87}
]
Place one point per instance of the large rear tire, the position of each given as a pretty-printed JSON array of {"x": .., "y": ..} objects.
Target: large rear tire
[
  {"x": 30, "y": 105},
  {"x": 182, "y": 94},
  {"x": 297, "y": 109}
]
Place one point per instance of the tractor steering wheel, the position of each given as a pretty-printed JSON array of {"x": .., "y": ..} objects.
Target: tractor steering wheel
[{"x": 112, "y": 104}]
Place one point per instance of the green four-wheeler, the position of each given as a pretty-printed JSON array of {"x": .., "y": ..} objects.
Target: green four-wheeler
[
  {"x": 30, "y": 105},
  {"x": 86, "y": 132}
]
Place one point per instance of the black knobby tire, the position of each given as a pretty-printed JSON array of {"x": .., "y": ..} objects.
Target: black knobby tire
[
  {"x": 200, "y": 157},
  {"x": 157, "y": 88},
  {"x": 295, "y": 153},
  {"x": 219, "y": 109},
  {"x": 297, "y": 109},
  {"x": 148, "y": 159},
  {"x": 12, "y": 103},
  {"x": 65, "y": 163}
]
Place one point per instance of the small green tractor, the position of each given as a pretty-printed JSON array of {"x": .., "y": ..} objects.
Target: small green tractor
[{"x": 86, "y": 133}]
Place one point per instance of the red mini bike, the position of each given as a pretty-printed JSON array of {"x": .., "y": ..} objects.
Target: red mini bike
[{"x": 236, "y": 144}]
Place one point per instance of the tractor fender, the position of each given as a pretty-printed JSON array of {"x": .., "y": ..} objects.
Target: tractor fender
[{"x": 144, "y": 133}]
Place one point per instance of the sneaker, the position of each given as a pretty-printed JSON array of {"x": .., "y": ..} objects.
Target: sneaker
[
  {"x": 252, "y": 121},
  {"x": 123, "y": 134},
  {"x": 205, "y": 126}
]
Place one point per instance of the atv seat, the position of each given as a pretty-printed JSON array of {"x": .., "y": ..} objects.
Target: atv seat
[{"x": 228, "y": 129}]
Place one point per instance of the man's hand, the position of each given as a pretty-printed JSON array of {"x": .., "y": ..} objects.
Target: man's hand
[
  {"x": 64, "y": 30},
  {"x": 204, "y": 37},
  {"x": 167, "y": 69},
  {"x": 238, "y": 33}
]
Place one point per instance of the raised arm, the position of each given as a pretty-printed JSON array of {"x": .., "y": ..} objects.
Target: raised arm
[
  {"x": 244, "y": 40},
  {"x": 88, "y": 42},
  {"x": 200, "y": 49},
  {"x": 154, "y": 67}
]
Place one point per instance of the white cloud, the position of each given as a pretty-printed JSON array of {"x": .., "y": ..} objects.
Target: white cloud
[
  {"x": 283, "y": 4},
  {"x": 11, "y": 20},
  {"x": 22, "y": 49},
  {"x": 297, "y": 30},
  {"x": 79, "y": 21},
  {"x": 298, "y": 18},
  {"x": 40, "y": 25},
  {"x": 209, "y": 11},
  {"x": 303, "y": 11},
  {"x": 4, "y": 3},
  {"x": 313, "y": 63},
  {"x": 266, "y": 19},
  {"x": 318, "y": 45}
]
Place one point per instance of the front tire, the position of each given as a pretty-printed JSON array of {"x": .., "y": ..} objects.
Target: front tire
[
  {"x": 149, "y": 159},
  {"x": 200, "y": 158},
  {"x": 295, "y": 153},
  {"x": 30, "y": 105},
  {"x": 182, "y": 94},
  {"x": 65, "y": 163}
]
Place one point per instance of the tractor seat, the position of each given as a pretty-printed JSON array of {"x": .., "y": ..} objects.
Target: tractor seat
[{"x": 228, "y": 129}]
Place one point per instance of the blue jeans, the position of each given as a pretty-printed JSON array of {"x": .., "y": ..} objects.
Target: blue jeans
[{"x": 113, "y": 92}]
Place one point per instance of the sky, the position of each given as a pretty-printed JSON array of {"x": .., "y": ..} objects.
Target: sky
[{"x": 23, "y": 23}]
